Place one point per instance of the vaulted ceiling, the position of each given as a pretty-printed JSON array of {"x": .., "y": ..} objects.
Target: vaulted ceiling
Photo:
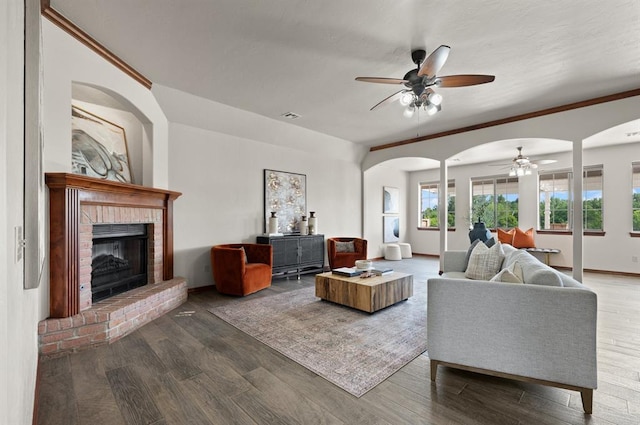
[{"x": 302, "y": 56}]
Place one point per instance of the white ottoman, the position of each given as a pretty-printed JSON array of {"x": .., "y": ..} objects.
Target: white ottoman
[
  {"x": 392, "y": 252},
  {"x": 405, "y": 250}
]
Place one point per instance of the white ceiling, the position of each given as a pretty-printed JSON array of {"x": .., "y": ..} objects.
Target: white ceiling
[{"x": 301, "y": 56}]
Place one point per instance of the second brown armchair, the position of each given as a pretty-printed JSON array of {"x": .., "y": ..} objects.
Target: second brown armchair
[
  {"x": 241, "y": 269},
  {"x": 343, "y": 252}
]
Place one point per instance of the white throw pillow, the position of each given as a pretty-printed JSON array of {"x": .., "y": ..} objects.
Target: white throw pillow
[
  {"x": 484, "y": 262},
  {"x": 512, "y": 274}
]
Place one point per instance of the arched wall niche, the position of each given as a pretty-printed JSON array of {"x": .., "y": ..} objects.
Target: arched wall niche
[{"x": 117, "y": 109}]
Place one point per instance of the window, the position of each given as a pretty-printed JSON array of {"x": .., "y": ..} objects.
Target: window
[
  {"x": 495, "y": 201},
  {"x": 555, "y": 201},
  {"x": 592, "y": 198},
  {"x": 429, "y": 205},
  {"x": 636, "y": 196},
  {"x": 556, "y": 209}
]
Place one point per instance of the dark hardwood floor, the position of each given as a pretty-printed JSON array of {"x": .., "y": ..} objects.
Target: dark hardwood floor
[{"x": 189, "y": 367}]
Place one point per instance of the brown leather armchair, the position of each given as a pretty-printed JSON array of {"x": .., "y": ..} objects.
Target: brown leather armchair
[
  {"x": 345, "y": 259},
  {"x": 237, "y": 274}
]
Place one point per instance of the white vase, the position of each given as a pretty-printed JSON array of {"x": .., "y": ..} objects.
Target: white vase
[
  {"x": 273, "y": 223},
  {"x": 313, "y": 223},
  {"x": 304, "y": 226}
]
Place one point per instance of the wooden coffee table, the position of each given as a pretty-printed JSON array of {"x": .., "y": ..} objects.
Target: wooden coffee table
[{"x": 367, "y": 294}]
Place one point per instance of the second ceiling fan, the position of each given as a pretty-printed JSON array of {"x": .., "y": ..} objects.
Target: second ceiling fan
[{"x": 419, "y": 82}]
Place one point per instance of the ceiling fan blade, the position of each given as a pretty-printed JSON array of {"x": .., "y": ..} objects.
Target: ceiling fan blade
[
  {"x": 392, "y": 98},
  {"x": 544, "y": 161},
  {"x": 464, "y": 80},
  {"x": 434, "y": 62},
  {"x": 381, "y": 80}
]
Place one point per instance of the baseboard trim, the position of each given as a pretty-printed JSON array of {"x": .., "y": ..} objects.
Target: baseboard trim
[
  {"x": 609, "y": 272},
  {"x": 200, "y": 289}
]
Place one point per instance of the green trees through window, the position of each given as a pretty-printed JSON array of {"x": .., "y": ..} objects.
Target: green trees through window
[
  {"x": 555, "y": 199},
  {"x": 429, "y": 205},
  {"x": 495, "y": 202}
]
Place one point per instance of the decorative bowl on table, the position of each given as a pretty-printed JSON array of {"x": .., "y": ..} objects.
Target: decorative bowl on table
[{"x": 363, "y": 264}]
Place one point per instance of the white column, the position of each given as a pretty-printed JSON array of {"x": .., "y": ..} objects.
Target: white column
[
  {"x": 577, "y": 211},
  {"x": 443, "y": 209}
]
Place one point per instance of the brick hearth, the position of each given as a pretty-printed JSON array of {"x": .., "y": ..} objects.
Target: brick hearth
[
  {"x": 77, "y": 203},
  {"x": 108, "y": 320}
]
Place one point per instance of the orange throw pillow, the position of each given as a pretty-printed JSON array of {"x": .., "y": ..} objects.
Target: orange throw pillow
[
  {"x": 523, "y": 239},
  {"x": 506, "y": 236}
]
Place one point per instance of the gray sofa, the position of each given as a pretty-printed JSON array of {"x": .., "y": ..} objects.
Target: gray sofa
[{"x": 531, "y": 332}]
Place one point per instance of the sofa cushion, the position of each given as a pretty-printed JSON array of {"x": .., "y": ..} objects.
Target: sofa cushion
[
  {"x": 345, "y": 246},
  {"x": 543, "y": 276},
  {"x": 506, "y": 236},
  {"x": 511, "y": 274},
  {"x": 533, "y": 271},
  {"x": 523, "y": 238},
  {"x": 484, "y": 262}
]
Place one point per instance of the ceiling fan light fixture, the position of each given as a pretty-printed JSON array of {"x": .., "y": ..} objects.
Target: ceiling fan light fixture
[
  {"x": 406, "y": 98},
  {"x": 408, "y": 112},
  {"x": 432, "y": 109},
  {"x": 435, "y": 98}
]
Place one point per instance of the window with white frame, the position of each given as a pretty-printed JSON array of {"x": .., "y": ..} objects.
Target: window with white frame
[
  {"x": 556, "y": 208},
  {"x": 495, "y": 201},
  {"x": 555, "y": 200},
  {"x": 635, "y": 212},
  {"x": 429, "y": 200}
]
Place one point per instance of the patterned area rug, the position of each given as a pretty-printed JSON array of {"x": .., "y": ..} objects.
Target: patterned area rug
[{"x": 350, "y": 348}]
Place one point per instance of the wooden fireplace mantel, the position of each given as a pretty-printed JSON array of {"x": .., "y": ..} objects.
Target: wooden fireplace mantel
[{"x": 66, "y": 193}]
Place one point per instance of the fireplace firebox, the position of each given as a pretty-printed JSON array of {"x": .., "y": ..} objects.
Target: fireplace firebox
[{"x": 119, "y": 259}]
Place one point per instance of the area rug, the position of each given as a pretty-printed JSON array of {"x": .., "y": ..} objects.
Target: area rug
[{"x": 350, "y": 348}]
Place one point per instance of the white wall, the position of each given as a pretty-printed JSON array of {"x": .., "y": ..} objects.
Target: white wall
[
  {"x": 612, "y": 252},
  {"x": 18, "y": 307},
  {"x": 375, "y": 179},
  {"x": 221, "y": 177}
]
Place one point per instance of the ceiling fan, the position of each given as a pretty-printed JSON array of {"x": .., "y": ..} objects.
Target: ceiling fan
[
  {"x": 521, "y": 165},
  {"x": 420, "y": 82}
]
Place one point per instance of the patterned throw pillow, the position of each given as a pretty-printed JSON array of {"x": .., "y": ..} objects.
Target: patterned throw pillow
[
  {"x": 523, "y": 239},
  {"x": 484, "y": 262},
  {"x": 506, "y": 236},
  {"x": 512, "y": 274},
  {"x": 345, "y": 247}
]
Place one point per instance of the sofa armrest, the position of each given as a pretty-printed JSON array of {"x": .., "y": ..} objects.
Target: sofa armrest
[
  {"x": 536, "y": 331},
  {"x": 454, "y": 261}
]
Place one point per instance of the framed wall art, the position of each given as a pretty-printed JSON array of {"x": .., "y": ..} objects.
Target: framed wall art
[
  {"x": 285, "y": 194},
  {"x": 99, "y": 147},
  {"x": 390, "y": 200},
  {"x": 390, "y": 229}
]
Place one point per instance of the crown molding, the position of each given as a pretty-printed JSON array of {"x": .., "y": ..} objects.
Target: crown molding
[{"x": 80, "y": 35}]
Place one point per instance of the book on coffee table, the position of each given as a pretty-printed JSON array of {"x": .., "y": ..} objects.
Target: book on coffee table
[
  {"x": 347, "y": 271},
  {"x": 382, "y": 271}
]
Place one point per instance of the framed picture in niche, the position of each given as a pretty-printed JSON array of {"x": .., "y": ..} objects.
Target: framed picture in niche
[
  {"x": 98, "y": 147},
  {"x": 390, "y": 200},
  {"x": 286, "y": 194}
]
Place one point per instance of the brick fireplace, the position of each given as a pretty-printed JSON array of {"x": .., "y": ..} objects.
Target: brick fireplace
[{"x": 77, "y": 204}]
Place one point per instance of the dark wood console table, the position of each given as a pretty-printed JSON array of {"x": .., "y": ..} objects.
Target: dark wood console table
[{"x": 296, "y": 253}]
